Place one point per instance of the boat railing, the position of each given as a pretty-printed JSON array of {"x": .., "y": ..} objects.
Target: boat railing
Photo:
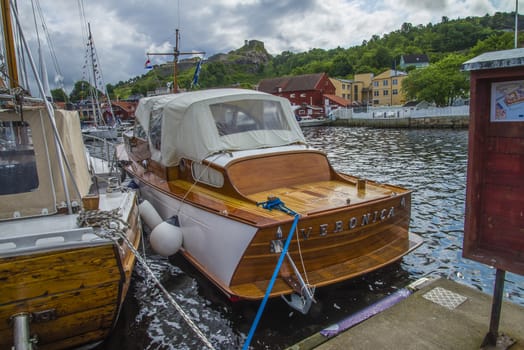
[{"x": 101, "y": 155}]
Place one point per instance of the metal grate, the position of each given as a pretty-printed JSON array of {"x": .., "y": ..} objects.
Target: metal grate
[{"x": 445, "y": 298}]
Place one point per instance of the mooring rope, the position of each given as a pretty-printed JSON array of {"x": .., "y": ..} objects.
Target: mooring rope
[
  {"x": 272, "y": 203},
  {"x": 302, "y": 258},
  {"x": 110, "y": 222}
]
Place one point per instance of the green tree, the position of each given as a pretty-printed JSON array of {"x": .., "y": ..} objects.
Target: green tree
[
  {"x": 341, "y": 66},
  {"x": 80, "y": 91},
  {"x": 499, "y": 41},
  {"x": 440, "y": 83},
  {"x": 110, "y": 91},
  {"x": 59, "y": 95}
]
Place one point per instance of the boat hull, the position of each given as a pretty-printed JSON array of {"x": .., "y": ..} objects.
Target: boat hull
[
  {"x": 71, "y": 283},
  {"x": 332, "y": 245},
  {"x": 202, "y": 230},
  {"x": 328, "y": 248}
]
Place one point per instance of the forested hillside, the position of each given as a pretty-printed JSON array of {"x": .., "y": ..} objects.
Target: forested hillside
[{"x": 246, "y": 66}]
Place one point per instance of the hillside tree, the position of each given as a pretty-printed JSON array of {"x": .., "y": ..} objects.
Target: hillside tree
[{"x": 440, "y": 83}]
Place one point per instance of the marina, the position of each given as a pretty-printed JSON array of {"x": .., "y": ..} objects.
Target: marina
[
  {"x": 431, "y": 162},
  {"x": 218, "y": 221}
]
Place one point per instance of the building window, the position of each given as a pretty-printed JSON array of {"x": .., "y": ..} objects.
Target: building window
[
  {"x": 385, "y": 82},
  {"x": 395, "y": 92},
  {"x": 292, "y": 96},
  {"x": 395, "y": 81},
  {"x": 343, "y": 86},
  {"x": 375, "y": 83},
  {"x": 385, "y": 93},
  {"x": 302, "y": 95},
  {"x": 376, "y": 93}
]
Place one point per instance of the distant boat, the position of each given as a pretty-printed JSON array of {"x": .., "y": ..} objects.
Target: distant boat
[
  {"x": 305, "y": 121},
  {"x": 223, "y": 170},
  {"x": 66, "y": 255},
  {"x": 100, "y": 131}
]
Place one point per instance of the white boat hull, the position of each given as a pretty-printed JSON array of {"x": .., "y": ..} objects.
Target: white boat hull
[{"x": 215, "y": 241}]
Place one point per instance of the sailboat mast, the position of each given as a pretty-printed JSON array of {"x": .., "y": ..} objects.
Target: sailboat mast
[
  {"x": 516, "y": 23},
  {"x": 176, "y": 53},
  {"x": 97, "y": 113},
  {"x": 9, "y": 44}
]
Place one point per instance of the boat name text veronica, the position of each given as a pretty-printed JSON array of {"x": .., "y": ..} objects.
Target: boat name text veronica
[{"x": 353, "y": 222}]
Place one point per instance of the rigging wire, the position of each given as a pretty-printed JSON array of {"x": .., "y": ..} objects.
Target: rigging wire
[
  {"x": 59, "y": 78},
  {"x": 41, "y": 68},
  {"x": 20, "y": 53},
  {"x": 91, "y": 60}
]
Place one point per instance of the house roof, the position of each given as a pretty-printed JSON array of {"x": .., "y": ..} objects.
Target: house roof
[
  {"x": 390, "y": 73},
  {"x": 338, "y": 100},
  {"x": 125, "y": 105},
  {"x": 304, "y": 82},
  {"x": 414, "y": 59}
]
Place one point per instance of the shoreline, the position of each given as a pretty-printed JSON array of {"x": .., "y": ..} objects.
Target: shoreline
[{"x": 440, "y": 122}]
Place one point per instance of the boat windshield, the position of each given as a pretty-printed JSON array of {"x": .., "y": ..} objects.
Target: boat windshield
[
  {"x": 246, "y": 115},
  {"x": 17, "y": 158}
]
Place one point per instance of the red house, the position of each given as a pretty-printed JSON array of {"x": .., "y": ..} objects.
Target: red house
[
  {"x": 308, "y": 91},
  {"x": 123, "y": 110}
]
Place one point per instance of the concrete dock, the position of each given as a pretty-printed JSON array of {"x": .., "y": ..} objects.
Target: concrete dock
[{"x": 440, "y": 315}]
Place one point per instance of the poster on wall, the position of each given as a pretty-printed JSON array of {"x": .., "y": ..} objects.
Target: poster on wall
[{"x": 507, "y": 101}]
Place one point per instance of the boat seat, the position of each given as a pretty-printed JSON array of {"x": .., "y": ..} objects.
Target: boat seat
[{"x": 254, "y": 175}]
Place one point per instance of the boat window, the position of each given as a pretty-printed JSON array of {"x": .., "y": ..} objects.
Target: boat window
[
  {"x": 17, "y": 158},
  {"x": 247, "y": 115},
  {"x": 140, "y": 132},
  {"x": 204, "y": 174},
  {"x": 155, "y": 129}
]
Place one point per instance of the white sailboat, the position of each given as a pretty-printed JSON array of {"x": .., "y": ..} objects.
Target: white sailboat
[{"x": 99, "y": 128}]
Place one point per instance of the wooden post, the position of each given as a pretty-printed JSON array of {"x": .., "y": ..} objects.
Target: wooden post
[{"x": 9, "y": 44}]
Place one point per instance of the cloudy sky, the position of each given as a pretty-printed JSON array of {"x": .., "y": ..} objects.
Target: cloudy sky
[{"x": 125, "y": 30}]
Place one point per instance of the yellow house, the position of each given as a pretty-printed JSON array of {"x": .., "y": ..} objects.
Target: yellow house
[
  {"x": 387, "y": 88},
  {"x": 342, "y": 88}
]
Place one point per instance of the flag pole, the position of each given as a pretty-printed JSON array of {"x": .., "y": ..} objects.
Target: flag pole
[{"x": 176, "y": 53}]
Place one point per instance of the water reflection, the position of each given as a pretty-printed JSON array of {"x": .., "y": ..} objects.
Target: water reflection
[{"x": 430, "y": 162}]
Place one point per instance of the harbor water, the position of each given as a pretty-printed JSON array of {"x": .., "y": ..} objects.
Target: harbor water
[{"x": 432, "y": 163}]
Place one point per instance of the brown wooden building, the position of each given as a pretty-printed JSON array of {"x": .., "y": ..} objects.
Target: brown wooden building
[
  {"x": 301, "y": 90},
  {"x": 123, "y": 110}
]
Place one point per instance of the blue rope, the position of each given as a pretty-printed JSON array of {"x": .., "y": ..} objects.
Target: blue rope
[
  {"x": 272, "y": 281},
  {"x": 276, "y": 203}
]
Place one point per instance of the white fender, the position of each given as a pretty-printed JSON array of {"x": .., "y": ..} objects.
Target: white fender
[
  {"x": 149, "y": 215},
  {"x": 166, "y": 239}
]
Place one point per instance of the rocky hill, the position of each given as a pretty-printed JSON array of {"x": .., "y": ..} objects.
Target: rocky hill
[{"x": 250, "y": 63}]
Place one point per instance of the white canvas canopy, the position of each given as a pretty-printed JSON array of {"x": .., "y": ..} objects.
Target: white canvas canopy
[
  {"x": 30, "y": 181},
  {"x": 195, "y": 125}
]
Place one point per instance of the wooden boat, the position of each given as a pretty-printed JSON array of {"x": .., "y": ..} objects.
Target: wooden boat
[
  {"x": 212, "y": 160},
  {"x": 64, "y": 270},
  {"x": 62, "y": 280}
]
